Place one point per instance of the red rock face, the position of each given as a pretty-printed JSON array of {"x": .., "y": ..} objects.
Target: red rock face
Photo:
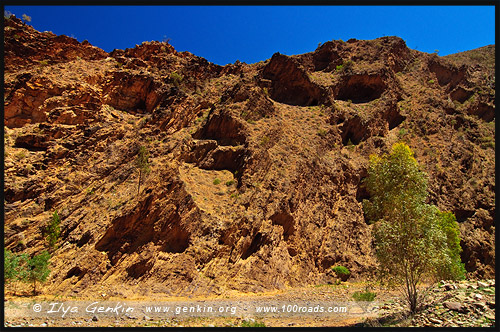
[
  {"x": 27, "y": 47},
  {"x": 256, "y": 169},
  {"x": 290, "y": 83}
]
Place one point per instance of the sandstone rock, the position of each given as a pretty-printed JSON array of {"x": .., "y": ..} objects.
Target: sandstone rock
[
  {"x": 290, "y": 83},
  {"x": 449, "y": 286},
  {"x": 435, "y": 320},
  {"x": 455, "y": 306},
  {"x": 483, "y": 284},
  {"x": 490, "y": 316},
  {"x": 480, "y": 305}
]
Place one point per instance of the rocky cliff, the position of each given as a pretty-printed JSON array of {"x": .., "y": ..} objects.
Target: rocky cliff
[{"x": 256, "y": 169}]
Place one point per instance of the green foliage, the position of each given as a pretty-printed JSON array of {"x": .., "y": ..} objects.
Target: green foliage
[
  {"x": 142, "y": 164},
  {"x": 487, "y": 142},
  {"x": 451, "y": 266},
  {"x": 229, "y": 183},
  {"x": 12, "y": 266},
  {"x": 413, "y": 239},
  {"x": 20, "y": 155},
  {"x": 22, "y": 267},
  {"x": 345, "y": 66},
  {"x": 402, "y": 132},
  {"x": 487, "y": 145},
  {"x": 431, "y": 81},
  {"x": 393, "y": 180},
  {"x": 364, "y": 296},
  {"x": 176, "y": 78},
  {"x": 216, "y": 181},
  {"x": 89, "y": 191},
  {"x": 246, "y": 323},
  {"x": 142, "y": 160},
  {"x": 53, "y": 230},
  {"x": 264, "y": 140},
  {"x": 341, "y": 271},
  {"x": 322, "y": 132},
  {"x": 37, "y": 269}
]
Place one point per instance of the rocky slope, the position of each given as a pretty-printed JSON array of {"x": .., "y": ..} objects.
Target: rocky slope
[
  {"x": 446, "y": 304},
  {"x": 256, "y": 169}
]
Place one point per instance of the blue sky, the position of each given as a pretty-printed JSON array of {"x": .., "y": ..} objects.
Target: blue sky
[{"x": 224, "y": 34}]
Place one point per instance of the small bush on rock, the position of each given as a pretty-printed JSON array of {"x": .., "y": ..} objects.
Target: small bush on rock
[{"x": 342, "y": 272}]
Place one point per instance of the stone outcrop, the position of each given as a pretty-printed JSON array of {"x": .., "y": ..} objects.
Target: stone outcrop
[{"x": 254, "y": 183}]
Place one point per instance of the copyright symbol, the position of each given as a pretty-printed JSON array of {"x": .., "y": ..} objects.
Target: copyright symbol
[{"x": 37, "y": 307}]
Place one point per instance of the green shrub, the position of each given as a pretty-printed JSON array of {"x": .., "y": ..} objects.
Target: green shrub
[
  {"x": 20, "y": 155},
  {"x": 216, "y": 181},
  {"x": 43, "y": 63},
  {"x": 176, "y": 78},
  {"x": 142, "y": 164},
  {"x": 322, "y": 132},
  {"x": 402, "y": 132},
  {"x": 364, "y": 296},
  {"x": 450, "y": 265},
  {"x": 488, "y": 145},
  {"x": 12, "y": 266},
  {"x": 53, "y": 230},
  {"x": 37, "y": 269},
  {"x": 342, "y": 272},
  {"x": 246, "y": 323},
  {"x": 229, "y": 183},
  {"x": 345, "y": 66}
]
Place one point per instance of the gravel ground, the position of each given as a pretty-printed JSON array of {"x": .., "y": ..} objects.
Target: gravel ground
[
  {"x": 448, "y": 304},
  {"x": 322, "y": 305}
]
